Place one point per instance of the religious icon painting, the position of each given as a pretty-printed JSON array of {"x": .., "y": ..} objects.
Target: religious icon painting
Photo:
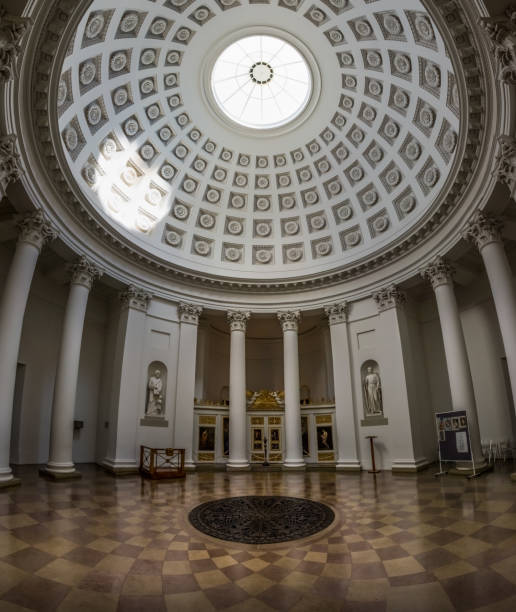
[
  {"x": 206, "y": 438},
  {"x": 455, "y": 423},
  {"x": 274, "y": 437},
  {"x": 447, "y": 424},
  {"x": 225, "y": 435},
  {"x": 304, "y": 436},
  {"x": 463, "y": 422},
  {"x": 257, "y": 439},
  {"x": 324, "y": 438}
]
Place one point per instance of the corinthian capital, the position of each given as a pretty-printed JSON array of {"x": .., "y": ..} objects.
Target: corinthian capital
[
  {"x": 136, "y": 298},
  {"x": 9, "y": 167},
  {"x": 389, "y": 297},
  {"x": 36, "y": 229},
  {"x": 438, "y": 272},
  {"x": 506, "y": 162},
  {"x": 12, "y": 30},
  {"x": 289, "y": 320},
  {"x": 189, "y": 313},
  {"x": 483, "y": 229},
  {"x": 502, "y": 32},
  {"x": 237, "y": 320},
  {"x": 337, "y": 313},
  {"x": 84, "y": 272}
]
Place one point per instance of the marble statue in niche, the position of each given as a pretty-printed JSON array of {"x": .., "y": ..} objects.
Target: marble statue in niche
[
  {"x": 372, "y": 389},
  {"x": 156, "y": 387}
]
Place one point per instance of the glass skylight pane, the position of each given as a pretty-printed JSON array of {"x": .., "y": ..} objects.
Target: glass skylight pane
[{"x": 261, "y": 82}]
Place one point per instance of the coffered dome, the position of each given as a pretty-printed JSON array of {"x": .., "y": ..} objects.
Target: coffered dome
[{"x": 262, "y": 140}]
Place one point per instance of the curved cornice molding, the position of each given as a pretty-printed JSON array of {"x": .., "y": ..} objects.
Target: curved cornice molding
[{"x": 85, "y": 231}]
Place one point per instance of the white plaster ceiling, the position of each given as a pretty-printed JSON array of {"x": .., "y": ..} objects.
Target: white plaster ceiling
[{"x": 354, "y": 173}]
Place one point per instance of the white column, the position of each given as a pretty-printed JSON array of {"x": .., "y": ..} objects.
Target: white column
[
  {"x": 185, "y": 389},
  {"x": 237, "y": 397},
  {"x": 60, "y": 463},
  {"x": 35, "y": 230},
  {"x": 440, "y": 274},
  {"x": 485, "y": 233},
  {"x": 347, "y": 452},
  {"x": 294, "y": 447},
  {"x": 122, "y": 454}
]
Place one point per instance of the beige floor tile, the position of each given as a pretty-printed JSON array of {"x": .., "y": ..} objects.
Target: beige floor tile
[
  {"x": 506, "y": 605},
  {"x": 430, "y": 597},
  {"x": 196, "y": 555},
  {"x": 15, "y": 521},
  {"x": 210, "y": 579},
  {"x": 56, "y": 546},
  {"x": 176, "y": 568},
  {"x": 115, "y": 564},
  {"x": 138, "y": 541},
  {"x": 103, "y": 545},
  {"x": 88, "y": 601},
  {"x": 415, "y": 547},
  {"x": 153, "y": 554},
  {"x": 316, "y": 557},
  {"x": 64, "y": 571},
  {"x": 368, "y": 590},
  {"x": 507, "y": 568},
  {"x": 250, "y": 605},
  {"x": 364, "y": 556},
  {"x": 188, "y": 602},
  {"x": 255, "y": 565},
  {"x": 495, "y": 506},
  {"x": 453, "y": 569},
  {"x": 9, "y": 577},
  {"x": 466, "y": 547},
  {"x": 381, "y": 543},
  {"x": 423, "y": 530},
  {"x": 178, "y": 546},
  {"x": 142, "y": 584},
  {"x": 225, "y": 561},
  {"x": 508, "y": 521},
  {"x": 9, "y": 544},
  {"x": 299, "y": 580},
  {"x": 254, "y": 584},
  {"x": 287, "y": 563},
  {"x": 402, "y": 567},
  {"x": 465, "y": 527}
]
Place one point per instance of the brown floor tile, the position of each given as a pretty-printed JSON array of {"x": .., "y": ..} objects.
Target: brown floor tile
[
  {"x": 154, "y": 603},
  {"x": 280, "y": 597},
  {"x": 37, "y": 593},
  {"x": 477, "y": 589},
  {"x": 179, "y": 584},
  {"x": 29, "y": 559},
  {"x": 226, "y": 595},
  {"x": 436, "y": 558}
]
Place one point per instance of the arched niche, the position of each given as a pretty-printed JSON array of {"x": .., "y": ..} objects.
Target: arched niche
[
  {"x": 372, "y": 394},
  {"x": 156, "y": 390}
]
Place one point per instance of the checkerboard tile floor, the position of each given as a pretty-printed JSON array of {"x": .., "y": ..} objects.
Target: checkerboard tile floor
[{"x": 400, "y": 543}]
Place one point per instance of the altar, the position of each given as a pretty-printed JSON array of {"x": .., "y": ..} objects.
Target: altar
[{"x": 265, "y": 413}]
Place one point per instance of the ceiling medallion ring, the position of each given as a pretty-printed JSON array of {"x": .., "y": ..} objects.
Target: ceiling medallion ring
[{"x": 263, "y": 78}]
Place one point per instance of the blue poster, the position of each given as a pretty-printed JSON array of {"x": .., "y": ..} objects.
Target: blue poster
[{"x": 453, "y": 436}]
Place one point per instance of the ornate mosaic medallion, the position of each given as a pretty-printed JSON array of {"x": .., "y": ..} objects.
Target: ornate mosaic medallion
[{"x": 261, "y": 519}]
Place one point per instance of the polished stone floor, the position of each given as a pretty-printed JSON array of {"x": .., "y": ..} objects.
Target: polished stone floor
[{"x": 399, "y": 543}]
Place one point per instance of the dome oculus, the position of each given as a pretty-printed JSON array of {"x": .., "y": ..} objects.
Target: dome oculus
[{"x": 261, "y": 82}]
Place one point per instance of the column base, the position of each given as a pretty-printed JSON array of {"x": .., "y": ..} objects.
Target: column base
[
  {"x": 294, "y": 467},
  {"x": 409, "y": 467},
  {"x": 238, "y": 467},
  {"x": 10, "y": 482},
  {"x": 482, "y": 469},
  {"x": 119, "y": 468},
  {"x": 190, "y": 466},
  {"x": 51, "y": 475},
  {"x": 348, "y": 466}
]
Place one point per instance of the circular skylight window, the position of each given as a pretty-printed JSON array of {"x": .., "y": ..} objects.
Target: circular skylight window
[{"x": 261, "y": 82}]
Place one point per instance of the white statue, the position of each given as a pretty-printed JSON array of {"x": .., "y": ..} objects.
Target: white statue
[
  {"x": 372, "y": 393},
  {"x": 155, "y": 398}
]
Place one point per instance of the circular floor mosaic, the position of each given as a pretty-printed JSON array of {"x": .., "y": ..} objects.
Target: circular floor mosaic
[{"x": 261, "y": 519}]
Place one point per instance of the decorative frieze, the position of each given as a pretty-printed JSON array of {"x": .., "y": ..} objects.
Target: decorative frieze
[
  {"x": 12, "y": 30},
  {"x": 337, "y": 313},
  {"x": 289, "y": 320},
  {"x": 506, "y": 162},
  {"x": 189, "y": 313},
  {"x": 389, "y": 297},
  {"x": 438, "y": 272},
  {"x": 502, "y": 33},
  {"x": 136, "y": 298},
  {"x": 9, "y": 163},
  {"x": 483, "y": 230},
  {"x": 84, "y": 272},
  {"x": 238, "y": 320},
  {"x": 36, "y": 229}
]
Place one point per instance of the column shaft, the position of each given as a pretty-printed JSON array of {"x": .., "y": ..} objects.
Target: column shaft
[
  {"x": 237, "y": 402},
  {"x": 12, "y": 312},
  {"x": 457, "y": 362},
  {"x": 61, "y": 430},
  {"x": 504, "y": 296},
  {"x": 294, "y": 447}
]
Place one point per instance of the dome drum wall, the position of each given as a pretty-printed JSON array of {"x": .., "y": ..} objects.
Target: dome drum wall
[{"x": 274, "y": 212}]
